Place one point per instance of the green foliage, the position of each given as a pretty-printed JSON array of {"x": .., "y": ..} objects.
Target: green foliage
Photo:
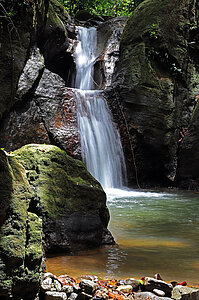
[
  {"x": 101, "y": 7},
  {"x": 154, "y": 31}
]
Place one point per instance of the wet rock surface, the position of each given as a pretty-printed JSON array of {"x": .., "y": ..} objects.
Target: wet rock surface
[
  {"x": 108, "y": 42},
  {"x": 49, "y": 116}
]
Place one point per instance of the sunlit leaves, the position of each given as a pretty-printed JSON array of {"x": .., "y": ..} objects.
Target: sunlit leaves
[{"x": 102, "y": 7}]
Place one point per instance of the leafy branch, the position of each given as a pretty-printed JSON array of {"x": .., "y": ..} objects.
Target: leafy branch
[{"x": 111, "y": 8}]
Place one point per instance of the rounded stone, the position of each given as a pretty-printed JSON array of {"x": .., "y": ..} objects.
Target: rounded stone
[{"x": 159, "y": 292}]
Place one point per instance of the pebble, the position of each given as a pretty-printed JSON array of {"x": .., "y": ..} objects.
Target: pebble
[
  {"x": 88, "y": 286},
  {"x": 55, "y": 296},
  {"x": 84, "y": 296},
  {"x": 131, "y": 281},
  {"x": 68, "y": 289},
  {"x": 57, "y": 285},
  {"x": 73, "y": 296},
  {"x": 48, "y": 274},
  {"x": 159, "y": 292},
  {"x": 47, "y": 284},
  {"x": 125, "y": 288}
]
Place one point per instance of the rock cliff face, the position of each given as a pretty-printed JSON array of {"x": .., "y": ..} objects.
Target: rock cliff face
[
  {"x": 46, "y": 110},
  {"x": 49, "y": 116},
  {"x": 157, "y": 81},
  {"x": 19, "y": 26},
  {"x": 26, "y": 25},
  {"x": 38, "y": 110},
  {"x": 20, "y": 233},
  {"x": 154, "y": 91},
  {"x": 187, "y": 173}
]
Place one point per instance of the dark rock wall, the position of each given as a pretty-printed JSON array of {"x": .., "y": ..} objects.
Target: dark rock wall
[
  {"x": 157, "y": 81},
  {"x": 49, "y": 116},
  {"x": 39, "y": 109},
  {"x": 20, "y": 24},
  {"x": 188, "y": 173}
]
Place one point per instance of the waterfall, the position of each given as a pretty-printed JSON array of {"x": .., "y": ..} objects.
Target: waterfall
[{"x": 100, "y": 140}]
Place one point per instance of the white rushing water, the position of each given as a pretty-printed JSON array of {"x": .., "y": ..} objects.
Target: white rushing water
[{"x": 100, "y": 140}]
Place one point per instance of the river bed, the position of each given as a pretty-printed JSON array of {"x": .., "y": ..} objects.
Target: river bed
[{"x": 156, "y": 232}]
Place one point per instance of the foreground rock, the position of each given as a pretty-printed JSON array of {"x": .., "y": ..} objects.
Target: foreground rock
[
  {"x": 64, "y": 287},
  {"x": 184, "y": 292},
  {"x": 69, "y": 200},
  {"x": 157, "y": 82},
  {"x": 155, "y": 285},
  {"x": 20, "y": 234},
  {"x": 46, "y": 198}
]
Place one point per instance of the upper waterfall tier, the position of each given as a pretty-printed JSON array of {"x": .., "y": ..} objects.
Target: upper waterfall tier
[{"x": 84, "y": 57}]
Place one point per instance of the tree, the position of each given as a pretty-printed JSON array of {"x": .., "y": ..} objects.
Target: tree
[{"x": 102, "y": 7}]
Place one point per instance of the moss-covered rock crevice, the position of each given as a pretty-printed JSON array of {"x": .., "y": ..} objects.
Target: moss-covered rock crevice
[{"x": 17, "y": 277}]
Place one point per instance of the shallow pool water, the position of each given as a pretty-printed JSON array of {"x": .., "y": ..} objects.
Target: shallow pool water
[{"x": 156, "y": 232}]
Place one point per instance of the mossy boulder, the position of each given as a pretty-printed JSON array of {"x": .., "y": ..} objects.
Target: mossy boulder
[
  {"x": 70, "y": 201},
  {"x": 156, "y": 81},
  {"x": 20, "y": 233}
]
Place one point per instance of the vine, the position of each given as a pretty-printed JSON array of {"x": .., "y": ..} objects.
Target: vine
[{"x": 129, "y": 138}]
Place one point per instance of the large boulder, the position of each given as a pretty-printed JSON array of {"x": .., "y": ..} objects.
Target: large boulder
[
  {"x": 156, "y": 82},
  {"x": 20, "y": 234},
  {"x": 69, "y": 200}
]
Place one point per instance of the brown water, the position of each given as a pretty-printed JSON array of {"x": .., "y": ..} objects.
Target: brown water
[{"x": 156, "y": 233}]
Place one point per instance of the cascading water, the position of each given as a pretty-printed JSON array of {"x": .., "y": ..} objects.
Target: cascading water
[{"x": 100, "y": 140}]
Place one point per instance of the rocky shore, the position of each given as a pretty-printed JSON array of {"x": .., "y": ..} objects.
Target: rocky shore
[{"x": 91, "y": 287}]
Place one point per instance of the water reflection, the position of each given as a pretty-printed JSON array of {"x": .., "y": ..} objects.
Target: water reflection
[
  {"x": 116, "y": 258},
  {"x": 155, "y": 232}
]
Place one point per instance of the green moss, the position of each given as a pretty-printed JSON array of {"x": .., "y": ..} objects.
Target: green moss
[
  {"x": 15, "y": 235},
  {"x": 34, "y": 252},
  {"x": 149, "y": 14},
  {"x": 57, "y": 15},
  {"x": 13, "y": 246},
  {"x": 63, "y": 184}
]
